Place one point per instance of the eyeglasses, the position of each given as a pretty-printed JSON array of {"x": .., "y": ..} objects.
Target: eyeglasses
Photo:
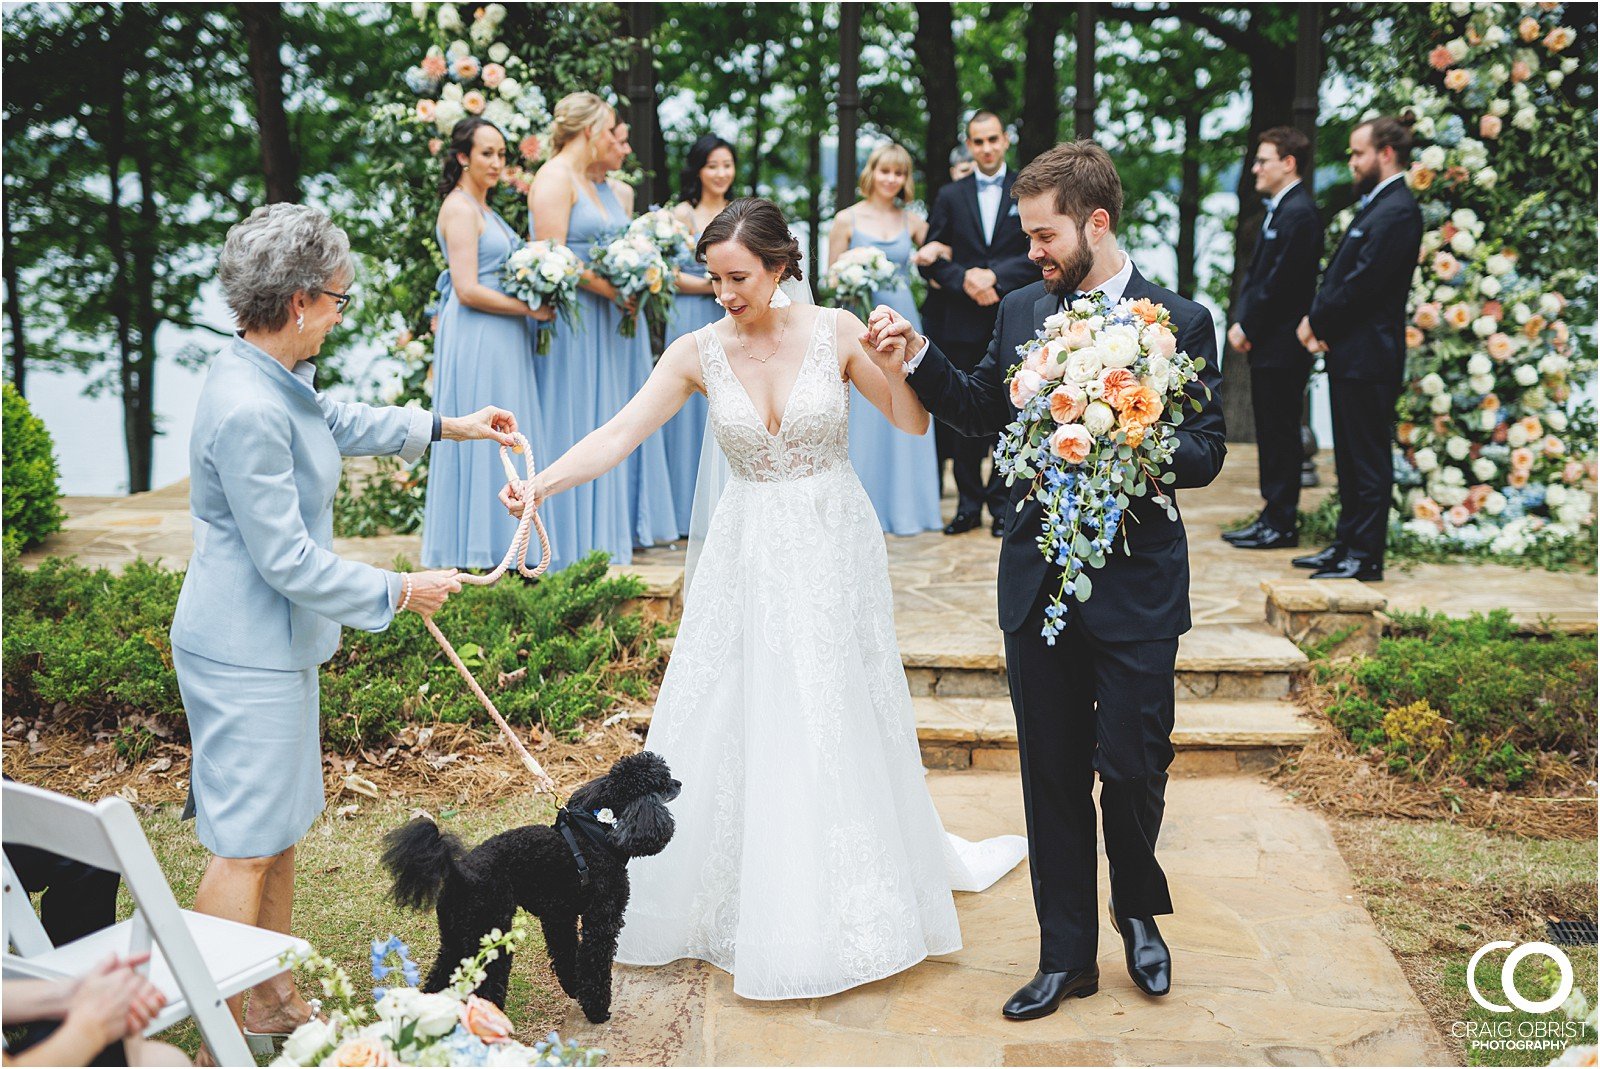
[{"x": 340, "y": 300}]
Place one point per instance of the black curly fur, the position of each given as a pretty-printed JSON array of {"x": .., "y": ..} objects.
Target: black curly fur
[{"x": 532, "y": 867}]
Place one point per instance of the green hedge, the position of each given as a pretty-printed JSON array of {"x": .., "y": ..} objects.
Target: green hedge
[
  {"x": 1469, "y": 697},
  {"x": 93, "y": 647},
  {"x": 31, "y": 481}
]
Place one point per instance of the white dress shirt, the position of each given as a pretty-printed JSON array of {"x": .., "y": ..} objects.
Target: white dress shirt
[{"x": 989, "y": 198}]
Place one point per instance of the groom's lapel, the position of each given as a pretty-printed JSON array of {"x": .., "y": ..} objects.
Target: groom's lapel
[
  {"x": 1137, "y": 285},
  {"x": 969, "y": 196}
]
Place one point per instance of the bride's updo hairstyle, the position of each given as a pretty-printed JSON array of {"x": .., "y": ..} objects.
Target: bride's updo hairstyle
[
  {"x": 575, "y": 113},
  {"x": 759, "y": 226}
]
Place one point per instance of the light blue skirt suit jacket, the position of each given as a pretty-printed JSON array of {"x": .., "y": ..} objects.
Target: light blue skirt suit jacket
[{"x": 265, "y": 597}]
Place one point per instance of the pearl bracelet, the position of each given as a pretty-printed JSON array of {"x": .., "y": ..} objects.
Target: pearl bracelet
[{"x": 405, "y": 593}]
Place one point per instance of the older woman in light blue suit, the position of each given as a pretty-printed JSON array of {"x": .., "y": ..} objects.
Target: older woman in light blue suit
[{"x": 265, "y": 597}]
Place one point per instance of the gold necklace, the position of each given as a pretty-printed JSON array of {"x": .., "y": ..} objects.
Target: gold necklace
[{"x": 737, "y": 333}]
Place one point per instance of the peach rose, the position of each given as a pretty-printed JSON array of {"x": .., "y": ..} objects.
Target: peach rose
[
  {"x": 1445, "y": 265},
  {"x": 1068, "y": 401},
  {"x": 1520, "y": 71},
  {"x": 1522, "y": 459},
  {"x": 1494, "y": 310},
  {"x": 1499, "y": 435},
  {"x": 1025, "y": 385},
  {"x": 529, "y": 147},
  {"x": 1553, "y": 446},
  {"x": 1078, "y": 334},
  {"x": 1455, "y": 174},
  {"x": 485, "y": 1020},
  {"x": 1457, "y": 79},
  {"x": 434, "y": 146},
  {"x": 1499, "y": 346},
  {"x": 1135, "y": 433},
  {"x": 1405, "y": 433},
  {"x": 1440, "y": 58},
  {"x": 1146, "y": 309},
  {"x": 1428, "y": 315},
  {"x": 1117, "y": 385},
  {"x": 1414, "y": 337},
  {"x": 434, "y": 67},
  {"x": 1071, "y": 442},
  {"x": 1560, "y": 332},
  {"x": 1160, "y": 341},
  {"x": 474, "y": 102},
  {"x": 493, "y": 74},
  {"x": 1142, "y": 406},
  {"x": 1534, "y": 325},
  {"x": 1459, "y": 315},
  {"x": 1458, "y": 515},
  {"x": 426, "y": 109},
  {"x": 1531, "y": 427},
  {"x": 358, "y": 1052},
  {"x": 1053, "y": 360},
  {"x": 1426, "y": 508},
  {"x": 1559, "y": 38},
  {"x": 1572, "y": 472},
  {"x": 466, "y": 68},
  {"x": 1421, "y": 178},
  {"x": 1518, "y": 479},
  {"x": 1477, "y": 495},
  {"x": 1527, "y": 29},
  {"x": 1490, "y": 126}
]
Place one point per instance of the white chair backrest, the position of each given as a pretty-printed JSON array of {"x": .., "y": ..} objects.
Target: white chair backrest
[
  {"x": 22, "y": 927},
  {"x": 33, "y": 816}
]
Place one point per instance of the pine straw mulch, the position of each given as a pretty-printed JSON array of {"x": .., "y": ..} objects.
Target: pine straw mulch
[
  {"x": 1332, "y": 774},
  {"x": 440, "y": 764}
]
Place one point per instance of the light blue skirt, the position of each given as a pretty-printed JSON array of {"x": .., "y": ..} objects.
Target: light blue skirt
[
  {"x": 684, "y": 433},
  {"x": 900, "y": 471},
  {"x": 590, "y": 372},
  {"x": 255, "y": 773}
]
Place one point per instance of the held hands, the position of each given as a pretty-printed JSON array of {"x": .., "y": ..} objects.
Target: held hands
[
  {"x": 1237, "y": 339},
  {"x": 494, "y": 424},
  {"x": 891, "y": 340},
  {"x": 113, "y": 1000},
  {"x": 544, "y": 313},
  {"x": 1308, "y": 339},
  {"x": 424, "y": 593},
  {"x": 513, "y": 499}
]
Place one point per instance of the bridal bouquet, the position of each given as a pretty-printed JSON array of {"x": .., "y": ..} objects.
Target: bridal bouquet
[
  {"x": 855, "y": 276},
  {"x": 632, "y": 262},
  {"x": 1100, "y": 392},
  {"x": 545, "y": 274},
  {"x": 407, "y": 1027}
]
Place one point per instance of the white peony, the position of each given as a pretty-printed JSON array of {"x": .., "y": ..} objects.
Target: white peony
[
  {"x": 1553, "y": 364},
  {"x": 1500, "y": 107},
  {"x": 1426, "y": 460},
  {"x": 1479, "y": 364},
  {"x": 1119, "y": 346},
  {"x": 448, "y": 113},
  {"x": 1498, "y": 264},
  {"x": 1158, "y": 374},
  {"x": 498, "y": 52},
  {"x": 1458, "y": 47},
  {"x": 1431, "y": 384},
  {"x": 1432, "y": 157},
  {"x": 1489, "y": 286},
  {"x": 1084, "y": 365},
  {"x": 1525, "y": 119},
  {"x": 452, "y": 92},
  {"x": 1458, "y": 448},
  {"x": 509, "y": 88},
  {"x": 1484, "y": 469},
  {"x": 1484, "y": 326},
  {"x": 1488, "y": 420},
  {"x": 449, "y": 18},
  {"x": 1098, "y": 418},
  {"x": 1465, "y": 219},
  {"x": 1462, "y": 243},
  {"x": 1480, "y": 383},
  {"x": 1486, "y": 178},
  {"x": 1516, "y": 435},
  {"x": 553, "y": 271},
  {"x": 1526, "y": 375},
  {"x": 1495, "y": 503},
  {"x": 1452, "y": 477},
  {"x": 1556, "y": 420},
  {"x": 307, "y": 1041},
  {"x": 1494, "y": 36},
  {"x": 434, "y": 1015},
  {"x": 1534, "y": 400},
  {"x": 1521, "y": 313},
  {"x": 1550, "y": 305},
  {"x": 1555, "y": 495},
  {"x": 1440, "y": 404}
]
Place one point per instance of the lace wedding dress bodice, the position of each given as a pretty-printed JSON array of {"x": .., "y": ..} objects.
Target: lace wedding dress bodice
[{"x": 808, "y": 857}]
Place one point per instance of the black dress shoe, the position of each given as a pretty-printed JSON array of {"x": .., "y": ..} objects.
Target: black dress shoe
[
  {"x": 1249, "y": 530},
  {"x": 998, "y": 527},
  {"x": 1267, "y": 538},
  {"x": 1321, "y": 559},
  {"x": 1149, "y": 960},
  {"x": 1040, "y": 996},
  {"x": 1351, "y": 568},
  {"x": 964, "y": 522}
]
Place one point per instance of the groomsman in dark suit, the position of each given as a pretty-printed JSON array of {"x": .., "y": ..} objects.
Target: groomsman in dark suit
[
  {"x": 1358, "y": 321},
  {"x": 1276, "y": 295},
  {"x": 977, "y": 219}
]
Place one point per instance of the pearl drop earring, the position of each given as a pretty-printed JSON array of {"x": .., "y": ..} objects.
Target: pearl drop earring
[{"x": 300, "y": 323}]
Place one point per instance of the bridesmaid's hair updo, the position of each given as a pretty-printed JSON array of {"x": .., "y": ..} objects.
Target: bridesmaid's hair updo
[
  {"x": 461, "y": 137},
  {"x": 759, "y": 226},
  {"x": 575, "y": 113}
]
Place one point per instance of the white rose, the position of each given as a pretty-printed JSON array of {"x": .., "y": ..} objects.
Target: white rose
[
  {"x": 1526, "y": 375},
  {"x": 1499, "y": 107},
  {"x": 1440, "y": 404},
  {"x": 1431, "y": 384},
  {"x": 1084, "y": 365},
  {"x": 1082, "y": 305},
  {"x": 1521, "y": 94},
  {"x": 1119, "y": 346},
  {"x": 1459, "y": 9},
  {"x": 456, "y": 49},
  {"x": 552, "y": 271},
  {"x": 509, "y": 88},
  {"x": 1463, "y": 243},
  {"x": 510, "y": 1054},
  {"x": 415, "y": 351},
  {"x": 1521, "y": 313},
  {"x": 1484, "y": 469},
  {"x": 1495, "y": 503},
  {"x": 1484, "y": 326},
  {"x": 1525, "y": 119},
  {"x": 448, "y": 113},
  {"x": 1432, "y": 157},
  {"x": 1480, "y": 383},
  {"x": 1055, "y": 321},
  {"x": 1488, "y": 420},
  {"x": 1098, "y": 418},
  {"x": 1553, "y": 364},
  {"x": 1534, "y": 400},
  {"x": 1458, "y": 448},
  {"x": 498, "y": 52},
  {"x": 1094, "y": 389},
  {"x": 307, "y": 1041},
  {"x": 1489, "y": 286},
  {"x": 1555, "y": 495},
  {"x": 1550, "y": 305},
  {"x": 1516, "y": 437},
  {"x": 1458, "y": 47},
  {"x": 1556, "y": 420},
  {"x": 1426, "y": 460},
  {"x": 1159, "y": 374},
  {"x": 1569, "y": 65},
  {"x": 449, "y": 18},
  {"x": 1465, "y": 218},
  {"x": 1424, "y": 127},
  {"x": 1486, "y": 178},
  {"x": 1479, "y": 364},
  {"x": 1494, "y": 36},
  {"x": 1451, "y": 496},
  {"x": 1452, "y": 477},
  {"x": 452, "y": 92}
]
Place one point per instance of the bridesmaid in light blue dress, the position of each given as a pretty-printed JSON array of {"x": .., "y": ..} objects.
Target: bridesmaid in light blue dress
[
  {"x": 483, "y": 353},
  {"x": 900, "y": 471},
  {"x": 707, "y": 176},
  {"x": 591, "y": 370}
]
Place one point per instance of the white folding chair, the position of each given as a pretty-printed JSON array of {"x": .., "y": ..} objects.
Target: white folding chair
[{"x": 196, "y": 960}]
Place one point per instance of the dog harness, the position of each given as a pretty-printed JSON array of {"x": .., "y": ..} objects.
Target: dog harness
[{"x": 586, "y": 825}]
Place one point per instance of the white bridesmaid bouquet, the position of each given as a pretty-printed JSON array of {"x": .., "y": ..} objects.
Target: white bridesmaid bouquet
[
  {"x": 1100, "y": 393},
  {"x": 405, "y": 1026},
  {"x": 545, "y": 274},
  {"x": 855, "y": 276},
  {"x": 668, "y": 233},
  {"x": 632, "y": 262}
]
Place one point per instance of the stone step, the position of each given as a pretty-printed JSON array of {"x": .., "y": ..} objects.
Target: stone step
[{"x": 662, "y": 599}]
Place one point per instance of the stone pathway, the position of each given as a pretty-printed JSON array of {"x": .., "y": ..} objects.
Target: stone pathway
[{"x": 1275, "y": 963}]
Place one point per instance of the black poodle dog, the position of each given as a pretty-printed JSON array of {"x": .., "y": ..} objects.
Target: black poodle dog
[{"x": 577, "y": 868}]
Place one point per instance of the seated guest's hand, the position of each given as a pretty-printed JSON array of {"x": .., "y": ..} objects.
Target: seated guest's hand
[
  {"x": 495, "y": 424},
  {"x": 113, "y": 1001}
]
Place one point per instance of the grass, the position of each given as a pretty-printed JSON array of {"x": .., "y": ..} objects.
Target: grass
[
  {"x": 341, "y": 901},
  {"x": 1439, "y": 891}
]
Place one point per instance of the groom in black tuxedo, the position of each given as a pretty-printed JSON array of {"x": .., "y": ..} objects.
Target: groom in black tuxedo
[
  {"x": 976, "y": 217},
  {"x": 1100, "y": 699}
]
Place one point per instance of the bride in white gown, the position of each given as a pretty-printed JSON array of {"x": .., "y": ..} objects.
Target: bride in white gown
[{"x": 808, "y": 856}]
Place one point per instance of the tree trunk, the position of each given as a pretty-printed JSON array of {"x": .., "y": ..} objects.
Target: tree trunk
[
  {"x": 662, "y": 187},
  {"x": 1189, "y": 199},
  {"x": 121, "y": 288},
  {"x": 1041, "y": 96},
  {"x": 814, "y": 201},
  {"x": 758, "y": 120},
  {"x": 263, "y": 29},
  {"x": 143, "y": 380},
  {"x": 18, "y": 356},
  {"x": 934, "y": 45}
]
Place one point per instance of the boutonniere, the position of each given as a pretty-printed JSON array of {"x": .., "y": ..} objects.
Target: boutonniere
[{"x": 605, "y": 816}]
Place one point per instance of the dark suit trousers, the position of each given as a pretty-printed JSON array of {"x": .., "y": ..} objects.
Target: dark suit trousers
[
  {"x": 77, "y": 899},
  {"x": 966, "y": 453},
  {"x": 1120, "y": 726},
  {"x": 1363, "y": 430},
  {"x": 1277, "y": 396}
]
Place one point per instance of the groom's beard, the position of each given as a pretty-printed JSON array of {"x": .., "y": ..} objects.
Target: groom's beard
[{"x": 1071, "y": 272}]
